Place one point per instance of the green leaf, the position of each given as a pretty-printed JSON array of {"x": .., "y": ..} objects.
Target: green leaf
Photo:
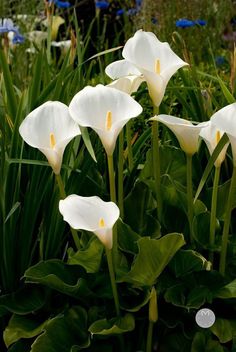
[
  {"x": 203, "y": 342},
  {"x": 153, "y": 257},
  {"x": 59, "y": 276},
  {"x": 65, "y": 333},
  {"x": 127, "y": 238},
  {"x": 228, "y": 96},
  {"x": 224, "y": 329},
  {"x": 187, "y": 261},
  {"x": 228, "y": 291},
  {"x": 26, "y": 300},
  {"x": 210, "y": 164},
  {"x": 87, "y": 142},
  {"x": 10, "y": 93},
  {"x": 137, "y": 204},
  {"x": 113, "y": 326},
  {"x": 22, "y": 327},
  {"x": 90, "y": 257}
]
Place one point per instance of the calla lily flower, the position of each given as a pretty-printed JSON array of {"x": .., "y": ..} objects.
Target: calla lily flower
[
  {"x": 211, "y": 136},
  {"x": 186, "y": 133},
  {"x": 91, "y": 214},
  {"x": 225, "y": 120},
  {"x": 50, "y": 128},
  {"x": 128, "y": 84},
  {"x": 154, "y": 59},
  {"x": 127, "y": 77},
  {"x": 105, "y": 110}
]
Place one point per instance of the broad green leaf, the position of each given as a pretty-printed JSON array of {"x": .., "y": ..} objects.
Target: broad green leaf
[
  {"x": 26, "y": 300},
  {"x": 201, "y": 227},
  {"x": 22, "y": 327},
  {"x": 90, "y": 257},
  {"x": 187, "y": 261},
  {"x": 203, "y": 342},
  {"x": 228, "y": 291},
  {"x": 113, "y": 326},
  {"x": 137, "y": 204},
  {"x": 153, "y": 257},
  {"x": 59, "y": 276},
  {"x": 224, "y": 329},
  {"x": 127, "y": 238},
  {"x": 140, "y": 297},
  {"x": 21, "y": 345},
  {"x": 65, "y": 333}
]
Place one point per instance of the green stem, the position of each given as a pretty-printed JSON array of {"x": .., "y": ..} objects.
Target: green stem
[
  {"x": 120, "y": 174},
  {"x": 113, "y": 281},
  {"x": 156, "y": 163},
  {"x": 111, "y": 178},
  {"x": 190, "y": 194},
  {"x": 49, "y": 33},
  {"x": 129, "y": 145},
  {"x": 63, "y": 196},
  {"x": 149, "y": 337},
  {"x": 213, "y": 213},
  {"x": 227, "y": 219},
  {"x": 113, "y": 199}
]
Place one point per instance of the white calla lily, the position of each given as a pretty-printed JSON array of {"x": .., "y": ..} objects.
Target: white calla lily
[
  {"x": 128, "y": 84},
  {"x": 186, "y": 133},
  {"x": 154, "y": 59},
  {"x": 105, "y": 110},
  {"x": 91, "y": 214},
  {"x": 50, "y": 128},
  {"x": 211, "y": 136},
  {"x": 225, "y": 120}
]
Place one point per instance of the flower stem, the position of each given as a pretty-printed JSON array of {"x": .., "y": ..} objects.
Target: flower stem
[
  {"x": 111, "y": 178},
  {"x": 113, "y": 199},
  {"x": 149, "y": 337},
  {"x": 50, "y": 10},
  {"x": 213, "y": 213},
  {"x": 227, "y": 219},
  {"x": 156, "y": 163},
  {"x": 120, "y": 174},
  {"x": 113, "y": 281},
  {"x": 63, "y": 196},
  {"x": 190, "y": 194},
  {"x": 129, "y": 145}
]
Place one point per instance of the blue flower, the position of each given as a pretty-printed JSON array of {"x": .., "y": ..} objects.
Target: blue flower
[
  {"x": 201, "y": 22},
  {"x": 120, "y": 12},
  {"x": 154, "y": 20},
  {"x": 18, "y": 38},
  {"x": 184, "y": 23},
  {"x": 60, "y": 4},
  {"x": 6, "y": 25},
  {"x": 220, "y": 60},
  {"x": 102, "y": 5}
]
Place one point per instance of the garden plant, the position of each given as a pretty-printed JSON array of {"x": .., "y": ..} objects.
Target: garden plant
[{"x": 117, "y": 181}]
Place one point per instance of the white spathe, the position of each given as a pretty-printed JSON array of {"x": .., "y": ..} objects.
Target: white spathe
[
  {"x": 211, "y": 136},
  {"x": 91, "y": 214},
  {"x": 225, "y": 120},
  {"x": 154, "y": 59},
  {"x": 128, "y": 84},
  {"x": 105, "y": 110},
  {"x": 186, "y": 133},
  {"x": 50, "y": 128}
]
